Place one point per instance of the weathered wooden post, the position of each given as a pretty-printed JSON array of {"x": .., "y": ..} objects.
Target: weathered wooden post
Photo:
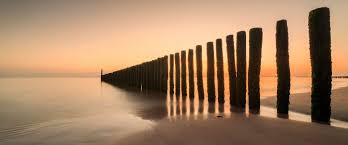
[
  {"x": 177, "y": 74},
  {"x": 144, "y": 76},
  {"x": 191, "y": 74},
  {"x": 220, "y": 71},
  {"x": 283, "y": 68},
  {"x": 151, "y": 75},
  {"x": 210, "y": 72},
  {"x": 199, "y": 64},
  {"x": 154, "y": 72},
  {"x": 255, "y": 49},
  {"x": 165, "y": 74},
  {"x": 320, "y": 52},
  {"x": 171, "y": 74},
  {"x": 241, "y": 69},
  {"x": 231, "y": 69},
  {"x": 154, "y": 75},
  {"x": 183, "y": 73},
  {"x": 159, "y": 74}
]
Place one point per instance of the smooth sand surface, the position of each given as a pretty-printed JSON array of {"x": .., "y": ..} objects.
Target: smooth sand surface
[
  {"x": 238, "y": 130},
  {"x": 302, "y": 103}
]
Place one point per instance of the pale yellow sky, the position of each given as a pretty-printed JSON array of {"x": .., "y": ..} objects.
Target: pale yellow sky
[{"x": 83, "y": 36}]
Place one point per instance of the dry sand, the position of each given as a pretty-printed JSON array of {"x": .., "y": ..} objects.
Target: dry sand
[
  {"x": 302, "y": 103},
  {"x": 238, "y": 130}
]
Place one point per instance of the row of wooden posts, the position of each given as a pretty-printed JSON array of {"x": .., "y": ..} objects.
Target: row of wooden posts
[{"x": 153, "y": 75}]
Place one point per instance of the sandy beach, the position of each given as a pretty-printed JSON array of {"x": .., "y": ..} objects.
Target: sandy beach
[
  {"x": 237, "y": 130},
  {"x": 301, "y": 103}
]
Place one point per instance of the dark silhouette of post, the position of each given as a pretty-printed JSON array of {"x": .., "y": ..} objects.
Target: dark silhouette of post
[
  {"x": 241, "y": 69},
  {"x": 171, "y": 74},
  {"x": 255, "y": 49},
  {"x": 210, "y": 72},
  {"x": 157, "y": 74},
  {"x": 177, "y": 74},
  {"x": 220, "y": 71},
  {"x": 183, "y": 73},
  {"x": 165, "y": 74},
  {"x": 320, "y": 52},
  {"x": 283, "y": 68},
  {"x": 231, "y": 69},
  {"x": 152, "y": 75},
  {"x": 191, "y": 74},
  {"x": 199, "y": 64}
]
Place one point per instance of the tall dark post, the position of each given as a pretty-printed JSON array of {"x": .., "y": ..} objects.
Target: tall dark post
[
  {"x": 210, "y": 72},
  {"x": 255, "y": 48},
  {"x": 191, "y": 74},
  {"x": 283, "y": 68},
  {"x": 241, "y": 69},
  {"x": 220, "y": 71},
  {"x": 171, "y": 74},
  {"x": 231, "y": 69},
  {"x": 199, "y": 72},
  {"x": 320, "y": 52},
  {"x": 183, "y": 73},
  {"x": 177, "y": 74}
]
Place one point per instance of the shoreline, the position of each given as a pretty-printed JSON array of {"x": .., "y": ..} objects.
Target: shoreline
[
  {"x": 237, "y": 129},
  {"x": 301, "y": 103}
]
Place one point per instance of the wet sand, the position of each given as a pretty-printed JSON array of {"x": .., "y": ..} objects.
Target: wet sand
[
  {"x": 301, "y": 103},
  {"x": 237, "y": 130}
]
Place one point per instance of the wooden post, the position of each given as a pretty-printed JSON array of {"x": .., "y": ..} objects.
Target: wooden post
[
  {"x": 210, "y": 72},
  {"x": 220, "y": 71},
  {"x": 241, "y": 69},
  {"x": 165, "y": 74},
  {"x": 283, "y": 68},
  {"x": 177, "y": 74},
  {"x": 171, "y": 74},
  {"x": 191, "y": 74},
  {"x": 255, "y": 49},
  {"x": 320, "y": 52},
  {"x": 183, "y": 73},
  {"x": 231, "y": 69},
  {"x": 159, "y": 74},
  {"x": 199, "y": 72}
]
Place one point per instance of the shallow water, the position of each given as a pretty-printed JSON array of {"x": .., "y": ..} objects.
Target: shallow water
[{"x": 70, "y": 111}]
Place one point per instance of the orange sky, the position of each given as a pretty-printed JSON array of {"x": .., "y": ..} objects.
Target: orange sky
[{"x": 84, "y": 36}]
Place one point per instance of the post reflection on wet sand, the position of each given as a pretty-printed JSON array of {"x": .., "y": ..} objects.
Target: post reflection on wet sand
[
  {"x": 180, "y": 107},
  {"x": 151, "y": 105}
]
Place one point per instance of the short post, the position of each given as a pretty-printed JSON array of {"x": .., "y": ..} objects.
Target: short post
[
  {"x": 171, "y": 74},
  {"x": 210, "y": 72},
  {"x": 183, "y": 73},
  {"x": 231, "y": 69},
  {"x": 191, "y": 74},
  {"x": 177, "y": 74},
  {"x": 220, "y": 71},
  {"x": 199, "y": 64},
  {"x": 165, "y": 74}
]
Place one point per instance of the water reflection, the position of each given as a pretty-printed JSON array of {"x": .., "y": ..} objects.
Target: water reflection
[{"x": 153, "y": 105}]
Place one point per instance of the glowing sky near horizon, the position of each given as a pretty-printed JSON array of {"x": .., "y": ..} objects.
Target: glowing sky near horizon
[{"x": 83, "y": 36}]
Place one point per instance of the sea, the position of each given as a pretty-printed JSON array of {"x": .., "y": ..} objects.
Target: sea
[{"x": 86, "y": 111}]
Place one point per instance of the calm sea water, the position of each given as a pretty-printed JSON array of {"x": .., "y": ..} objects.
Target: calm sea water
[{"x": 73, "y": 111}]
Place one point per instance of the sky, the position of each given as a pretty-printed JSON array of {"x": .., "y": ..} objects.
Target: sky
[{"x": 80, "y": 37}]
